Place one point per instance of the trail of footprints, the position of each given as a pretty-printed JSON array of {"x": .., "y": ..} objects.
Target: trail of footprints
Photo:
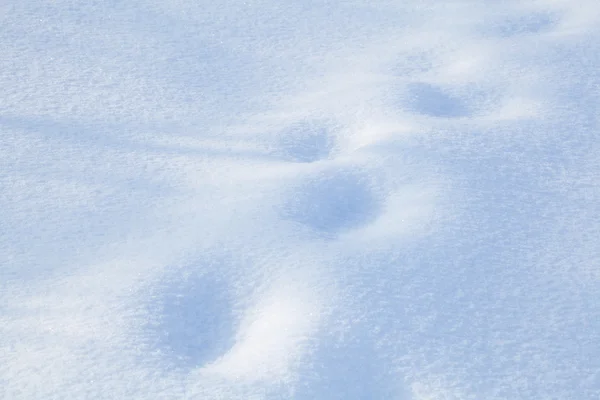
[{"x": 197, "y": 327}]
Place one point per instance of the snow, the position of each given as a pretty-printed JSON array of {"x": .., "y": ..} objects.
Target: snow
[{"x": 300, "y": 200}]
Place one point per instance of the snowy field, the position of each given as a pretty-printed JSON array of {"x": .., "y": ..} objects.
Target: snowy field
[{"x": 300, "y": 200}]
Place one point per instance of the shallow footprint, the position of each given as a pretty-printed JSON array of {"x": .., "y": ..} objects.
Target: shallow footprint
[
  {"x": 305, "y": 141},
  {"x": 427, "y": 99},
  {"x": 522, "y": 25}
]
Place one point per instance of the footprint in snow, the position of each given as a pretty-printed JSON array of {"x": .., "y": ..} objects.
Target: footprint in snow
[{"x": 333, "y": 202}]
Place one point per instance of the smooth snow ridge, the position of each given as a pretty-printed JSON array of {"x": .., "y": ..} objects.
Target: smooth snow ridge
[{"x": 299, "y": 200}]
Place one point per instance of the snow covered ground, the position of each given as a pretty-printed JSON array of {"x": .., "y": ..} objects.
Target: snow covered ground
[{"x": 300, "y": 200}]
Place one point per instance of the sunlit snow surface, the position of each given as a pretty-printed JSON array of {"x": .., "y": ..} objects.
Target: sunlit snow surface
[{"x": 300, "y": 200}]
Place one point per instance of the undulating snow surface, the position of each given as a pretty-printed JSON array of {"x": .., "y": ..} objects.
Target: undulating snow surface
[{"x": 300, "y": 199}]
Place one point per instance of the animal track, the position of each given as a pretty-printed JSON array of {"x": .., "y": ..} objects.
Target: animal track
[{"x": 334, "y": 202}]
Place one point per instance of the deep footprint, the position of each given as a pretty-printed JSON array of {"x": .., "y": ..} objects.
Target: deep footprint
[
  {"x": 333, "y": 202},
  {"x": 195, "y": 322}
]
